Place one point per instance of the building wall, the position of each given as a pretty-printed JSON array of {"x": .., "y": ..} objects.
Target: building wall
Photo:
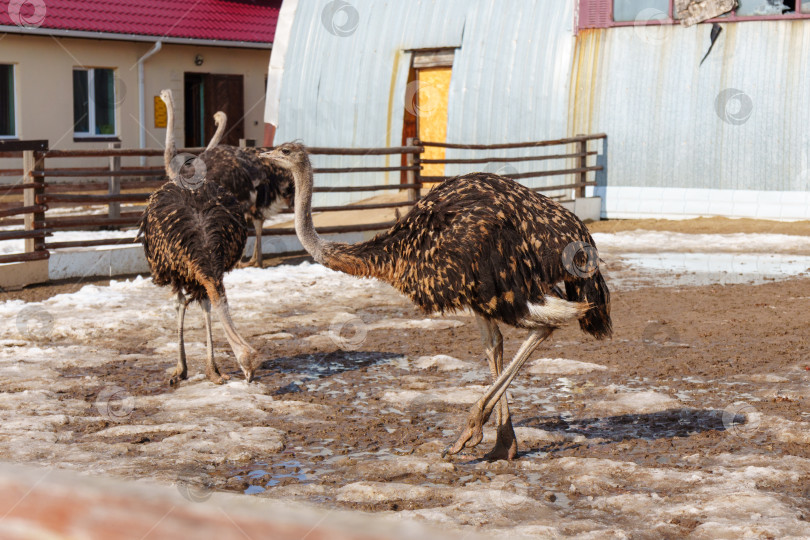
[
  {"x": 45, "y": 93},
  {"x": 726, "y": 138},
  {"x": 350, "y": 90}
]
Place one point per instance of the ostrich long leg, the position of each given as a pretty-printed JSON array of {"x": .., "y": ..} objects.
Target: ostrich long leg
[
  {"x": 479, "y": 414},
  {"x": 181, "y": 370},
  {"x": 211, "y": 369},
  {"x": 245, "y": 354},
  {"x": 257, "y": 247},
  {"x": 256, "y": 258},
  {"x": 506, "y": 442}
]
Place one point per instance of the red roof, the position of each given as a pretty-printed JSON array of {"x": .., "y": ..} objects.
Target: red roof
[{"x": 226, "y": 20}]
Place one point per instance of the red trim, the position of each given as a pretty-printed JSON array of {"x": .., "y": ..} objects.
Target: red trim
[{"x": 587, "y": 18}]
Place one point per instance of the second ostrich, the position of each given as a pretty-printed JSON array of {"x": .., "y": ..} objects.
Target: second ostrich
[
  {"x": 481, "y": 242},
  {"x": 191, "y": 238}
]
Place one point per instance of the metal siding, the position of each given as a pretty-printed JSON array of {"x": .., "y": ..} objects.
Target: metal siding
[
  {"x": 511, "y": 82},
  {"x": 658, "y": 106},
  {"x": 510, "y": 78}
]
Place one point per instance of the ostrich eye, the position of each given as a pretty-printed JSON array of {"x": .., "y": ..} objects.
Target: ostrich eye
[{"x": 285, "y": 151}]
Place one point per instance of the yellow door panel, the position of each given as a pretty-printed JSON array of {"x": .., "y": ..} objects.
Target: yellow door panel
[{"x": 433, "y": 98}]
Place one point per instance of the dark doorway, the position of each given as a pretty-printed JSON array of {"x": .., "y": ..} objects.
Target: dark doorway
[{"x": 207, "y": 93}]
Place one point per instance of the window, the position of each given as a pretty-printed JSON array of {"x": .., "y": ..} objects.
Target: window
[
  {"x": 94, "y": 103},
  {"x": 611, "y": 13},
  {"x": 750, "y": 8},
  {"x": 632, "y": 10},
  {"x": 8, "y": 119}
]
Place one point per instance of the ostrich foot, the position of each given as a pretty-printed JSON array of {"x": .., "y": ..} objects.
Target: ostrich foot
[
  {"x": 178, "y": 374},
  {"x": 472, "y": 435},
  {"x": 216, "y": 377},
  {"x": 505, "y": 446}
]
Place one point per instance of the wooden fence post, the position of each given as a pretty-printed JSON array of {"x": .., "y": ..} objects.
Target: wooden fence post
[
  {"x": 114, "y": 211},
  {"x": 33, "y": 161},
  {"x": 415, "y": 177},
  {"x": 582, "y": 164}
]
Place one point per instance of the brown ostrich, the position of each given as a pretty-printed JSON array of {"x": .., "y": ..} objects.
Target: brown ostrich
[
  {"x": 481, "y": 242},
  {"x": 261, "y": 188},
  {"x": 191, "y": 239}
]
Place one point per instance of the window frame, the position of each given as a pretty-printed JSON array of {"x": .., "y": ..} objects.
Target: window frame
[
  {"x": 730, "y": 17},
  {"x": 15, "y": 105},
  {"x": 91, "y": 109}
]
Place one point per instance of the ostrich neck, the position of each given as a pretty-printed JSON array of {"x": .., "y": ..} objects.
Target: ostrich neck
[
  {"x": 217, "y": 136},
  {"x": 170, "y": 151},
  {"x": 304, "y": 227},
  {"x": 366, "y": 259}
]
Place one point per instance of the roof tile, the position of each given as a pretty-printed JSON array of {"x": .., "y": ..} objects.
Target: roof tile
[{"x": 226, "y": 20}]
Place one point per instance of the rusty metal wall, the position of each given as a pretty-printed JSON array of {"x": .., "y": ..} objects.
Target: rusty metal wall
[{"x": 738, "y": 122}]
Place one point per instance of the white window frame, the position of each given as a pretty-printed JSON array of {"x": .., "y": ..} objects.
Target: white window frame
[
  {"x": 91, "y": 107},
  {"x": 16, "y": 104}
]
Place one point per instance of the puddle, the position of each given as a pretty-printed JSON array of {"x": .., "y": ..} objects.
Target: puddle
[{"x": 265, "y": 476}]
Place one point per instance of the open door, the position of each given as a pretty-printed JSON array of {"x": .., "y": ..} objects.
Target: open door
[{"x": 426, "y": 103}]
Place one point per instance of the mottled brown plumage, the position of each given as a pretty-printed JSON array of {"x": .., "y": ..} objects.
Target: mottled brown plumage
[
  {"x": 481, "y": 242},
  {"x": 484, "y": 242},
  {"x": 261, "y": 188},
  {"x": 191, "y": 238}
]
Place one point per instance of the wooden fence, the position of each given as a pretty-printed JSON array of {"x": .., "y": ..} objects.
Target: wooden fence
[{"x": 113, "y": 189}]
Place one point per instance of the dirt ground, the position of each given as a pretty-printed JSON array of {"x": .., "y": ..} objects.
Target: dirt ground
[{"x": 693, "y": 420}]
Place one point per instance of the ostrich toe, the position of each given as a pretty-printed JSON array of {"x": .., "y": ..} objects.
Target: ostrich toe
[{"x": 473, "y": 433}]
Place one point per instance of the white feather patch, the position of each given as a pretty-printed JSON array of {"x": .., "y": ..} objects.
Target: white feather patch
[{"x": 555, "y": 312}]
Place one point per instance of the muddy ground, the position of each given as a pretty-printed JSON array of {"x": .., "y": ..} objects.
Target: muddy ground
[{"x": 694, "y": 420}]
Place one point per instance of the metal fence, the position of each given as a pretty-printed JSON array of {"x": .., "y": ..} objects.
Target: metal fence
[{"x": 118, "y": 192}]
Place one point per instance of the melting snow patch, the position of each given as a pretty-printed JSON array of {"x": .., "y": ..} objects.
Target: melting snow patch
[
  {"x": 464, "y": 396},
  {"x": 442, "y": 362},
  {"x": 375, "y": 492},
  {"x": 562, "y": 366},
  {"x": 635, "y": 403}
]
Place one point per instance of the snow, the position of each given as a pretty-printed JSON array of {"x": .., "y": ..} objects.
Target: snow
[{"x": 199, "y": 425}]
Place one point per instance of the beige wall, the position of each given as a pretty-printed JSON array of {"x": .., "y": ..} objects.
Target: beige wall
[{"x": 44, "y": 83}]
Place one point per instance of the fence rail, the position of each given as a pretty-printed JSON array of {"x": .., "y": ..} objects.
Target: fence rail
[{"x": 33, "y": 220}]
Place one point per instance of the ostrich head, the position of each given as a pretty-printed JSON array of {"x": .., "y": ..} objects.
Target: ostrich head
[
  {"x": 290, "y": 156},
  {"x": 293, "y": 158},
  {"x": 166, "y": 96},
  {"x": 220, "y": 118}
]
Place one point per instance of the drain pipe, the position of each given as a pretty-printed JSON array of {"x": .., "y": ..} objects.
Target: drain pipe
[{"x": 142, "y": 98}]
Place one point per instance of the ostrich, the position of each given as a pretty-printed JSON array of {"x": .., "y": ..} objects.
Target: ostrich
[
  {"x": 191, "y": 239},
  {"x": 481, "y": 242},
  {"x": 221, "y": 120},
  {"x": 261, "y": 188}
]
